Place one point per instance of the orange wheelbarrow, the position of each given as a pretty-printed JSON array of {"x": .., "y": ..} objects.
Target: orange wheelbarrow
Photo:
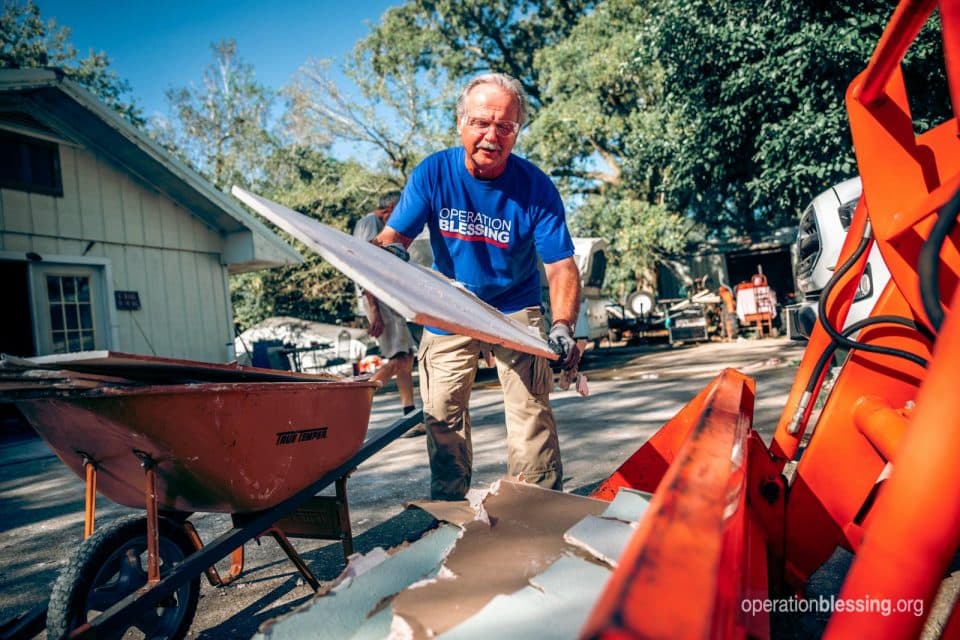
[{"x": 259, "y": 451}]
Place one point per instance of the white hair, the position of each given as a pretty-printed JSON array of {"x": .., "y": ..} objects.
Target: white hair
[{"x": 507, "y": 83}]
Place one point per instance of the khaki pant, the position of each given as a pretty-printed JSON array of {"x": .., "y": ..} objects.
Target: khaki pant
[{"x": 448, "y": 367}]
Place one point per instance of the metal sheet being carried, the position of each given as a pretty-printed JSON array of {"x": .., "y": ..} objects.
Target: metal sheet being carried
[{"x": 418, "y": 294}]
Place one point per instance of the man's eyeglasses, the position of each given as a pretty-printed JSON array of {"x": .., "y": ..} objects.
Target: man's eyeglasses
[{"x": 481, "y": 125}]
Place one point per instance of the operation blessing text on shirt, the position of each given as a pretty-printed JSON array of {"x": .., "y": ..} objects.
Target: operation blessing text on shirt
[{"x": 474, "y": 226}]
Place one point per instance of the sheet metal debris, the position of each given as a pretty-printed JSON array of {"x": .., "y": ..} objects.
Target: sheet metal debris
[{"x": 418, "y": 294}]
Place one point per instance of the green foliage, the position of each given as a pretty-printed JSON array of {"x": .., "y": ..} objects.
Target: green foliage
[
  {"x": 755, "y": 96},
  {"x": 467, "y": 37},
  {"x": 334, "y": 193},
  {"x": 596, "y": 105},
  {"x": 637, "y": 232},
  {"x": 27, "y": 42},
  {"x": 221, "y": 127},
  {"x": 591, "y": 99}
]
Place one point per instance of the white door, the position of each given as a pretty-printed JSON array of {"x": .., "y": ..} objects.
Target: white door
[{"x": 69, "y": 305}]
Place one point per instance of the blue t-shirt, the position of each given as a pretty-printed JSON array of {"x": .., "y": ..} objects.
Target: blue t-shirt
[{"x": 486, "y": 233}]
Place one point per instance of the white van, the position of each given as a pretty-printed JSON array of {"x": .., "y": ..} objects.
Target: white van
[{"x": 820, "y": 236}]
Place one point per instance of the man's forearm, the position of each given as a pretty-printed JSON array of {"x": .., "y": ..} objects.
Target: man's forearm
[
  {"x": 372, "y": 304},
  {"x": 563, "y": 279},
  {"x": 390, "y": 235}
]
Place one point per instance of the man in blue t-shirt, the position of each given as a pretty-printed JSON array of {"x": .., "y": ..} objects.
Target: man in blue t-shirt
[{"x": 490, "y": 214}]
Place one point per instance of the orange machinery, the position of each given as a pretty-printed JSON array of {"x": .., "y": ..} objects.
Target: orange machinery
[{"x": 736, "y": 528}]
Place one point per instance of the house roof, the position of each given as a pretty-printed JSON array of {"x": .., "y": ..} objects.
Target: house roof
[{"x": 45, "y": 103}]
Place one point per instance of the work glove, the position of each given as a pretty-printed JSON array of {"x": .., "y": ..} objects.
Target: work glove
[
  {"x": 561, "y": 341},
  {"x": 398, "y": 250}
]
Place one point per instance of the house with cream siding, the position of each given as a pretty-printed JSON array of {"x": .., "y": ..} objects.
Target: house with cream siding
[{"x": 106, "y": 240}]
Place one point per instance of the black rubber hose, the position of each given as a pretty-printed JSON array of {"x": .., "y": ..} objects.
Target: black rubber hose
[
  {"x": 839, "y": 338},
  {"x": 857, "y": 326},
  {"x": 808, "y": 393},
  {"x": 928, "y": 267}
]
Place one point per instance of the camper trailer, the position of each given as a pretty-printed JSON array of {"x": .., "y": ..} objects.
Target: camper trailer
[{"x": 590, "y": 255}]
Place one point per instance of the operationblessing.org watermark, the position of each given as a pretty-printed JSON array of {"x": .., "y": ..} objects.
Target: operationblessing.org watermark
[{"x": 832, "y": 604}]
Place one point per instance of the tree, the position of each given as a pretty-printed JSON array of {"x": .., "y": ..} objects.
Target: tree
[
  {"x": 754, "y": 94},
  {"x": 467, "y": 37},
  {"x": 638, "y": 233},
  {"x": 401, "y": 113},
  {"x": 335, "y": 193},
  {"x": 27, "y": 42},
  {"x": 222, "y": 127},
  {"x": 592, "y": 100}
]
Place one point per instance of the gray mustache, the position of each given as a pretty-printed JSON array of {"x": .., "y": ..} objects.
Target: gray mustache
[{"x": 489, "y": 146}]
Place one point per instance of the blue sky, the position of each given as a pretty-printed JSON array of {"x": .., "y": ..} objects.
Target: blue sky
[{"x": 159, "y": 44}]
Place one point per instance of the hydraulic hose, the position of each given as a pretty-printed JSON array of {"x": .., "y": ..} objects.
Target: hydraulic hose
[
  {"x": 928, "y": 267},
  {"x": 841, "y": 339},
  {"x": 825, "y": 357},
  {"x": 838, "y": 337}
]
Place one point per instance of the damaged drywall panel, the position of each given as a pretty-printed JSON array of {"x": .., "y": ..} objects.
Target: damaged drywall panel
[
  {"x": 555, "y": 605},
  {"x": 628, "y": 505},
  {"x": 523, "y": 539},
  {"x": 606, "y": 537},
  {"x": 603, "y": 538},
  {"x": 459, "y": 512},
  {"x": 418, "y": 294},
  {"x": 345, "y": 609}
]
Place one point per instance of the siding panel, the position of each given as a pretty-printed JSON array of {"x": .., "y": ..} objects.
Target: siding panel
[
  {"x": 91, "y": 206},
  {"x": 176, "y": 304},
  {"x": 16, "y": 211},
  {"x": 169, "y": 223},
  {"x": 16, "y": 242},
  {"x": 112, "y": 204},
  {"x": 69, "y": 247},
  {"x": 117, "y": 256},
  {"x": 218, "y": 302},
  {"x": 186, "y": 231},
  {"x": 214, "y": 316},
  {"x": 207, "y": 239},
  {"x": 142, "y": 320},
  {"x": 193, "y": 314},
  {"x": 132, "y": 211},
  {"x": 151, "y": 205},
  {"x": 68, "y": 207},
  {"x": 154, "y": 299},
  {"x": 44, "y": 246},
  {"x": 43, "y": 211}
]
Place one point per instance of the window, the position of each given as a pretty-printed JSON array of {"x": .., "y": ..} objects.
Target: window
[
  {"x": 70, "y": 307},
  {"x": 71, "y": 313},
  {"x": 28, "y": 164},
  {"x": 597, "y": 270}
]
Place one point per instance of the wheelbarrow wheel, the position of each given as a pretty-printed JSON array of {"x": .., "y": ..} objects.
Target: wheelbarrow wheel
[{"x": 110, "y": 565}]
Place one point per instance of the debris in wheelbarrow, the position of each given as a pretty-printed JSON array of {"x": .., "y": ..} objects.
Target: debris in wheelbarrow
[{"x": 151, "y": 369}]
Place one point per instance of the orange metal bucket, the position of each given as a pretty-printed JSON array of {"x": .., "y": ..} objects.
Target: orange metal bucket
[{"x": 232, "y": 448}]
